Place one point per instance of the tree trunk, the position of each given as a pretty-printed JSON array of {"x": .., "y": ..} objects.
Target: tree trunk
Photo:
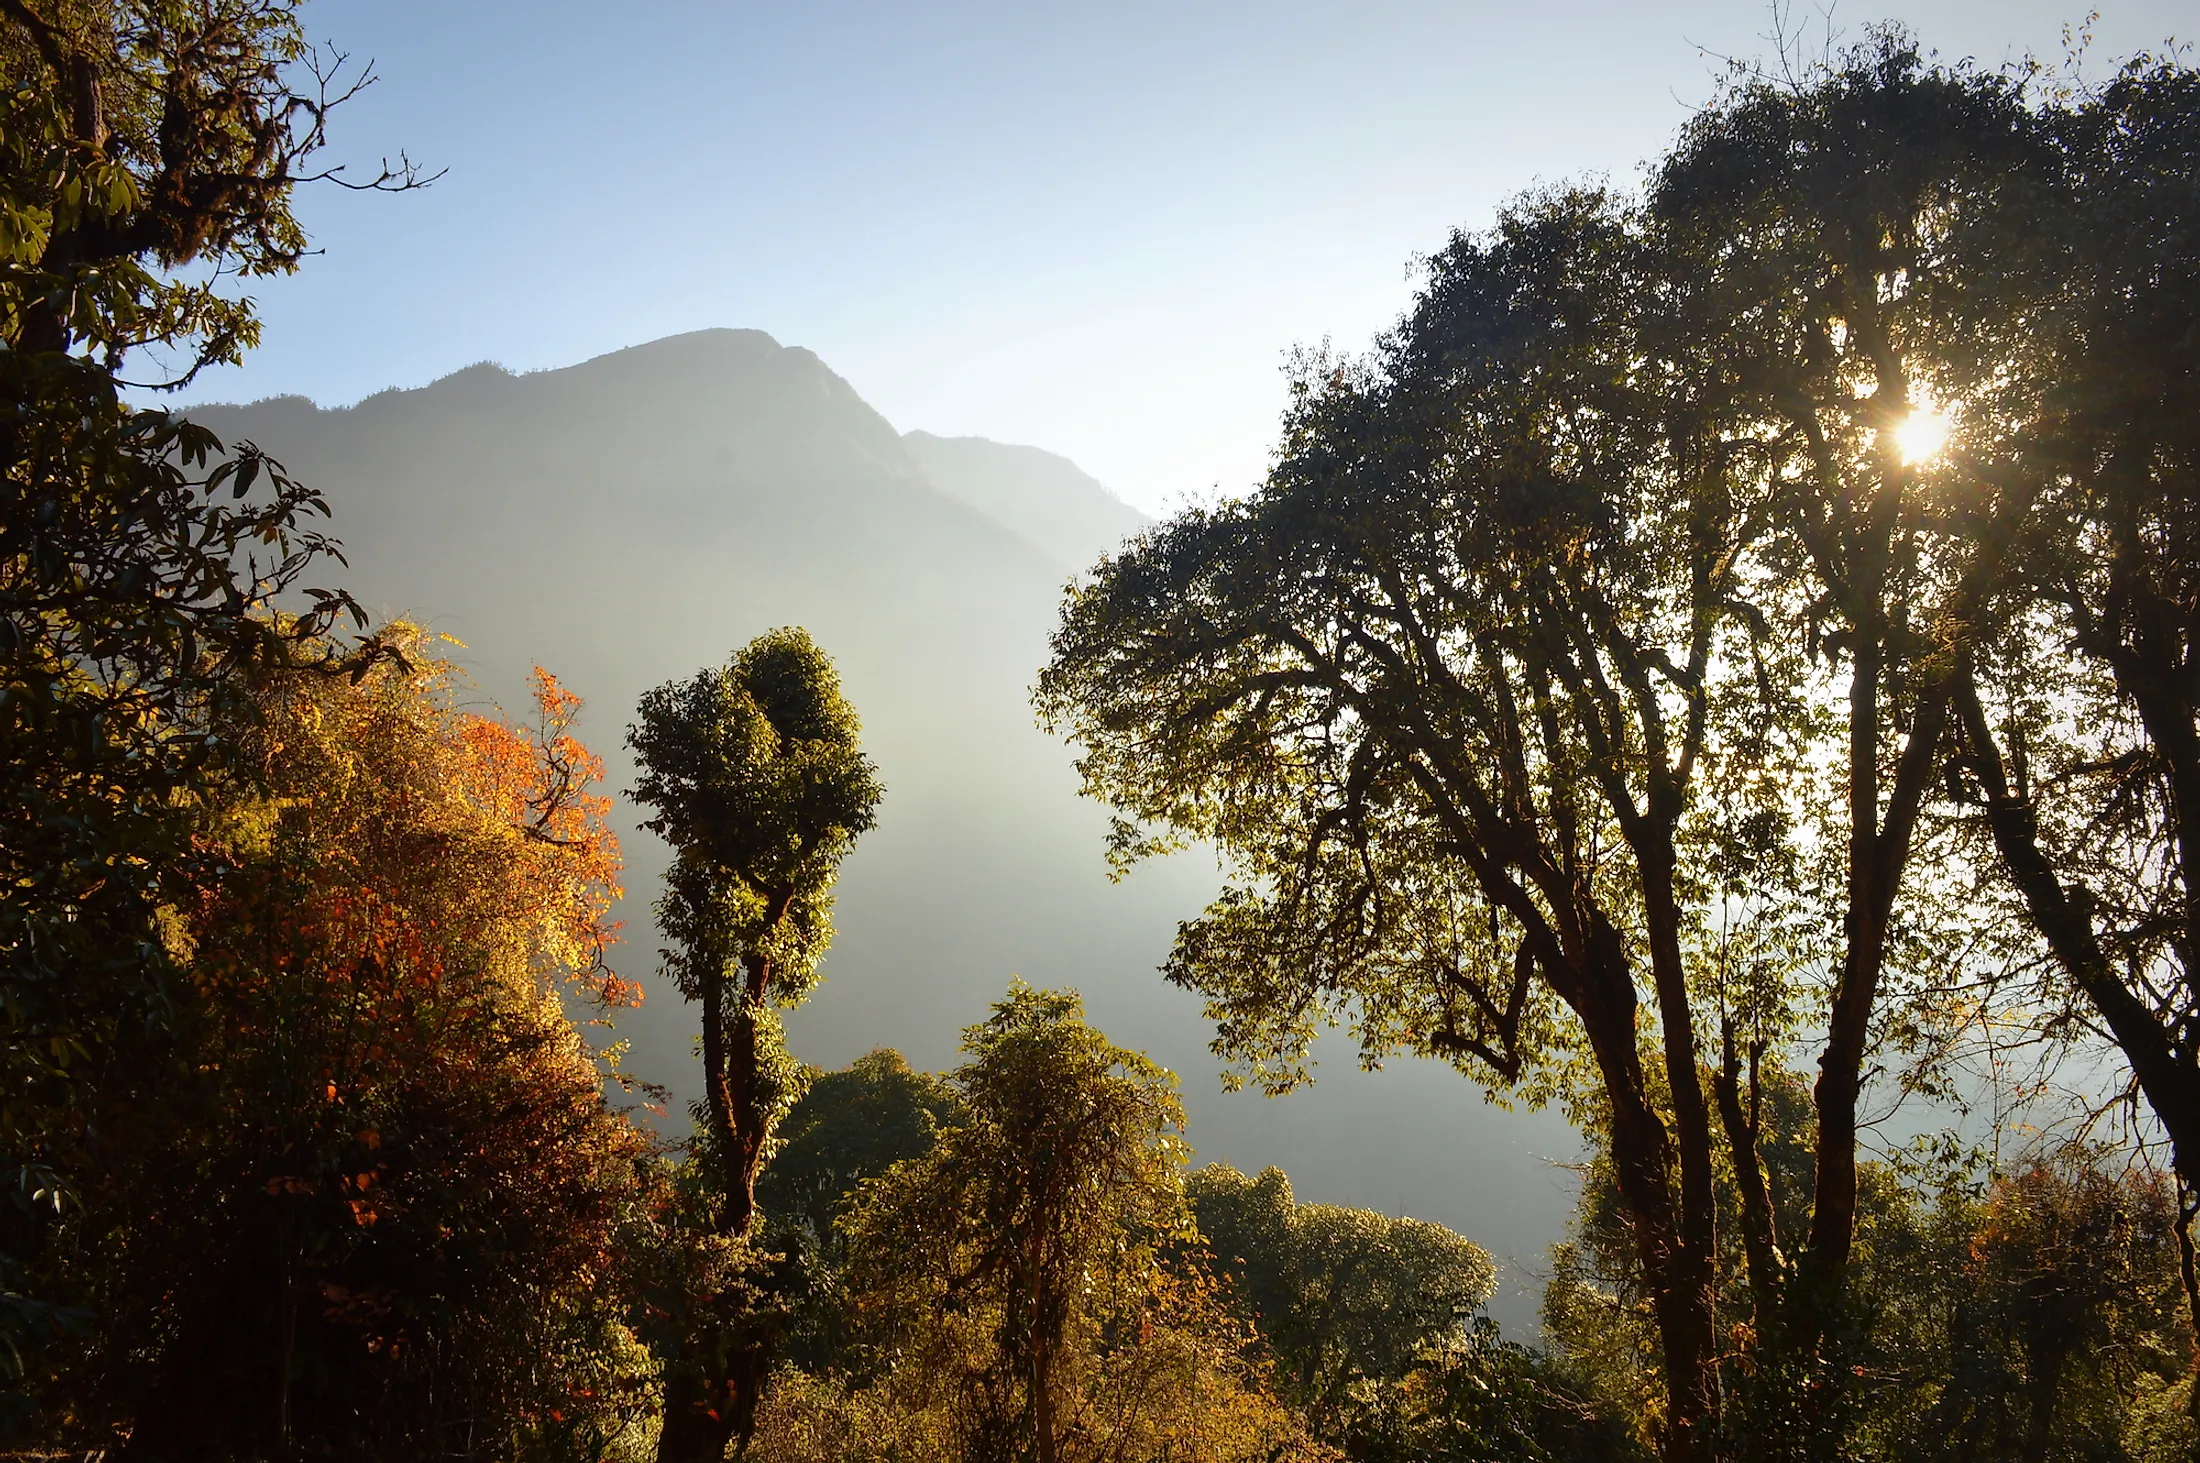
[
  {"x": 1042, "y": 1401},
  {"x": 1692, "y": 1275},
  {"x": 699, "y": 1420},
  {"x": 1879, "y": 852},
  {"x": 1642, "y": 1164},
  {"x": 713, "y": 1388},
  {"x": 1760, "y": 1230},
  {"x": 2063, "y": 914}
]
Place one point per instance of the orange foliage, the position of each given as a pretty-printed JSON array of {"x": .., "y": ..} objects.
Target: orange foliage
[
  {"x": 399, "y": 1162},
  {"x": 537, "y": 780}
]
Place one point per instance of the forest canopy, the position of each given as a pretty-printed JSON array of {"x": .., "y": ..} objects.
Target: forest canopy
[{"x": 1728, "y": 629}]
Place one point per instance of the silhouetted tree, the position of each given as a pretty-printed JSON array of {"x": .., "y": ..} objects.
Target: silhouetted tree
[
  {"x": 147, "y": 157},
  {"x": 2080, "y": 726},
  {"x": 1586, "y": 665}
]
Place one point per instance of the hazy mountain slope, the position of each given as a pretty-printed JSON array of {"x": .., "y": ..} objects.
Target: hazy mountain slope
[
  {"x": 636, "y": 517},
  {"x": 1047, "y": 499}
]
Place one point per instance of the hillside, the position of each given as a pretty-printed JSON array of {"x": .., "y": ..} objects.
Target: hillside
[{"x": 635, "y": 517}]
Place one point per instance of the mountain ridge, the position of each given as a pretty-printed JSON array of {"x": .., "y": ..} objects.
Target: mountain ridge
[
  {"x": 1073, "y": 519},
  {"x": 632, "y": 518}
]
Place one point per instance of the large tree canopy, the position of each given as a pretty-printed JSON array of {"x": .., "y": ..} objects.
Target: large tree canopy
[
  {"x": 1577, "y": 696},
  {"x": 2080, "y": 723}
]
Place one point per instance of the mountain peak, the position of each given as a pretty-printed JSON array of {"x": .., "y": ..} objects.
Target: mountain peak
[{"x": 718, "y": 346}]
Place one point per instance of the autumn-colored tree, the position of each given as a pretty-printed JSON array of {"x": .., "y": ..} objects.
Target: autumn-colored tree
[
  {"x": 379, "y": 1219},
  {"x": 759, "y": 784}
]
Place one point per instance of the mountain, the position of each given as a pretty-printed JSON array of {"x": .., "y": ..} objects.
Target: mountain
[
  {"x": 638, "y": 516},
  {"x": 1047, "y": 499}
]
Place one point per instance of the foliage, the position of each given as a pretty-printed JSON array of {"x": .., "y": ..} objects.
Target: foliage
[
  {"x": 1587, "y": 697},
  {"x": 141, "y": 138},
  {"x": 759, "y": 784},
  {"x": 1029, "y": 1217},
  {"x": 1345, "y": 1297},
  {"x": 147, "y": 154},
  {"x": 2080, "y": 740},
  {"x": 1179, "y": 1386},
  {"x": 2038, "y": 1314},
  {"x": 1016, "y": 1280},
  {"x": 849, "y": 1127},
  {"x": 1373, "y": 1324},
  {"x": 1476, "y": 1398},
  {"x": 136, "y": 577},
  {"x": 380, "y": 1218}
]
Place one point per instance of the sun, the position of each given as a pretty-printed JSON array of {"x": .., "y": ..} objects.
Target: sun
[{"x": 1921, "y": 435}]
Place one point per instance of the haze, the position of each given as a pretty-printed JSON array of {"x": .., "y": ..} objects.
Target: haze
[
  {"x": 1097, "y": 233},
  {"x": 1093, "y": 228}
]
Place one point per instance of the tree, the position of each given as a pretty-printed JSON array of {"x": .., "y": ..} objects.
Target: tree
[
  {"x": 1864, "y": 257},
  {"x": 145, "y": 138},
  {"x": 1346, "y": 1297},
  {"x": 1513, "y": 693},
  {"x": 2070, "y": 1301},
  {"x": 2080, "y": 726},
  {"x": 1373, "y": 1323},
  {"x": 1034, "y": 1214},
  {"x": 759, "y": 785},
  {"x": 2029, "y": 1313},
  {"x": 1418, "y": 685},
  {"x": 378, "y": 1217},
  {"x": 848, "y": 1128},
  {"x": 147, "y": 155}
]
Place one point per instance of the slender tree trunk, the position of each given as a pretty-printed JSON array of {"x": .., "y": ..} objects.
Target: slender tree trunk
[
  {"x": 1760, "y": 1230},
  {"x": 712, "y": 1391},
  {"x": 1693, "y": 1273},
  {"x": 1879, "y": 852},
  {"x": 1642, "y": 1165}
]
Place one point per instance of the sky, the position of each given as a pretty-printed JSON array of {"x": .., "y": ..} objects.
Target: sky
[{"x": 1101, "y": 229}]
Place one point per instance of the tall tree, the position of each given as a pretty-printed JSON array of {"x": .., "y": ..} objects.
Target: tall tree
[
  {"x": 147, "y": 157},
  {"x": 2081, "y": 724},
  {"x": 1444, "y": 688},
  {"x": 1854, "y": 240},
  {"x": 1505, "y": 690},
  {"x": 758, "y": 782}
]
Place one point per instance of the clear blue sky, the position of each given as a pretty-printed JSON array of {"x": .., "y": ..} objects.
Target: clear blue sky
[{"x": 1097, "y": 228}]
